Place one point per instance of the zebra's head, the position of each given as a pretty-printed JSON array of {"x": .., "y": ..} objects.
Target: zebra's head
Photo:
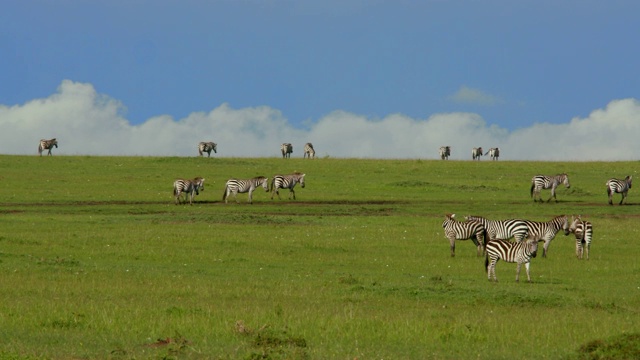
[
  {"x": 628, "y": 180},
  {"x": 448, "y": 218},
  {"x": 54, "y": 142},
  {"x": 575, "y": 221},
  {"x": 565, "y": 180},
  {"x": 532, "y": 247},
  {"x": 301, "y": 179},
  {"x": 214, "y": 147},
  {"x": 565, "y": 225},
  {"x": 265, "y": 183},
  {"x": 198, "y": 184}
]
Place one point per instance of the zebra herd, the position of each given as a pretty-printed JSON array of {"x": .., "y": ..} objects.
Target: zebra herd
[{"x": 494, "y": 153}]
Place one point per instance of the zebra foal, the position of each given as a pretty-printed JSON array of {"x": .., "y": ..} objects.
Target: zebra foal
[
  {"x": 456, "y": 230},
  {"x": 540, "y": 182},
  {"x": 546, "y": 231},
  {"x": 188, "y": 187},
  {"x": 618, "y": 186},
  {"x": 47, "y": 145},
  {"x": 235, "y": 186},
  {"x": 583, "y": 231},
  {"x": 511, "y": 252},
  {"x": 286, "y": 182}
]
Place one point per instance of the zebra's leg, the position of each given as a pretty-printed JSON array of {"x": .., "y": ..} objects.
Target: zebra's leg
[
  {"x": 578, "y": 248},
  {"x": 452, "y": 246},
  {"x": 587, "y": 248},
  {"x": 526, "y": 266},
  {"x": 518, "y": 272},
  {"x": 250, "y": 196},
  {"x": 291, "y": 192},
  {"x": 624, "y": 196},
  {"x": 545, "y": 248}
]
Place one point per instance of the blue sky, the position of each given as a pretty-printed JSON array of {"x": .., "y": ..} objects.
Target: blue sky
[{"x": 514, "y": 64}]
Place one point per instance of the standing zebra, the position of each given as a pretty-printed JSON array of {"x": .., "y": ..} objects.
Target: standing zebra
[
  {"x": 583, "y": 231},
  {"x": 546, "y": 231},
  {"x": 456, "y": 230},
  {"x": 309, "y": 151},
  {"x": 235, "y": 186},
  {"x": 206, "y": 147},
  {"x": 494, "y": 153},
  {"x": 518, "y": 252},
  {"x": 188, "y": 187},
  {"x": 502, "y": 229},
  {"x": 286, "y": 182},
  {"x": 613, "y": 186},
  {"x": 445, "y": 152},
  {"x": 286, "y": 149},
  {"x": 476, "y": 153},
  {"x": 47, "y": 145},
  {"x": 540, "y": 182}
]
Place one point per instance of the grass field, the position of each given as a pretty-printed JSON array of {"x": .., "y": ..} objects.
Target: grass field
[{"x": 96, "y": 262}]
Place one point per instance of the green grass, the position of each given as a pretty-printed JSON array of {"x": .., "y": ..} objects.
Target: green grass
[{"x": 96, "y": 262}]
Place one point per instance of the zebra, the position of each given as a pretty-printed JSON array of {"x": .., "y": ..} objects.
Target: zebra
[
  {"x": 445, "y": 152},
  {"x": 502, "y": 229},
  {"x": 476, "y": 153},
  {"x": 613, "y": 186},
  {"x": 286, "y": 149},
  {"x": 546, "y": 231},
  {"x": 286, "y": 182},
  {"x": 540, "y": 182},
  {"x": 456, "y": 230},
  {"x": 188, "y": 187},
  {"x": 206, "y": 147},
  {"x": 494, "y": 153},
  {"x": 309, "y": 151},
  {"x": 511, "y": 252},
  {"x": 47, "y": 145},
  {"x": 235, "y": 186},
  {"x": 583, "y": 231}
]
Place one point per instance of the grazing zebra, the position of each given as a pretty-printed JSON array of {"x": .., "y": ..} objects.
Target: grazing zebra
[
  {"x": 47, "y": 145},
  {"x": 540, "y": 182},
  {"x": 583, "y": 231},
  {"x": 511, "y": 252},
  {"x": 445, "y": 152},
  {"x": 494, "y": 153},
  {"x": 235, "y": 186},
  {"x": 286, "y": 149},
  {"x": 502, "y": 229},
  {"x": 546, "y": 231},
  {"x": 309, "y": 151},
  {"x": 613, "y": 186},
  {"x": 286, "y": 182},
  {"x": 206, "y": 147},
  {"x": 476, "y": 153},
  {"x": 188, "y": 187},
  {"x": 456, "y": 230}
]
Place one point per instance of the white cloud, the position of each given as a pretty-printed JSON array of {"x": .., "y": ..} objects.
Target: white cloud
[
  {"x": 469, "y": 95},
  {"x": 88, "y": 123}
]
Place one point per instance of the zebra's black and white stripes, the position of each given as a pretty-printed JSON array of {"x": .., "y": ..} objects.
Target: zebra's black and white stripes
[
  {"x": 494, "y": 153},
  {"x": 286, "y": 149},
  {"x": 445, "y": 152},
  {"x": 540, "y": 182},
  {"x": 618, "y": 186},
  {"x": 476, "y": 153},
  {"x": 583, "y": 231},
  {"x": 309, "y": 151},
  {"x": 235, "y": 186},
  {"x": 206, "y": 147},
  {"x": 190, "y": 188},
  {"x": 546, "y": 231},
  {"x": 286, "y": 182},
  {"x": 47, "y": 145},
  {"x": 511, "y": 252},
  {"x": 456, "y": 230},
  {"x": 502, "y": 229}
]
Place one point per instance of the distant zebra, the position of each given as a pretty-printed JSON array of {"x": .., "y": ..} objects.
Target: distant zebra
[
  {"x": 309, "y": 151},
  {"x": 546, "y": 231},
  {"x": 618, "y": 186},
  {"x": 476, "y": 153},
  {"x": 445, "y": 152},
  {"x": 511, "y": 252},
  {"x": 286, "y": 149},
  {"x": 583, "y": 231},
  {"x": 47, "y": 145},
  {"x": 540, "y": 182},
  {"x": 188, "y": 187},
  {"x": 206, "y": 147},
  {"x": 456, "y": 230},
  {"x": 494, "y": 153},
  {"x": 502, "y": 229},
  {"x": 235, "y": 186},
  {"x": 286, "y": 182}
]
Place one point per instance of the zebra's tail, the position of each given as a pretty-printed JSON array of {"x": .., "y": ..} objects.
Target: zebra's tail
[
  {"x": 486, "y": 263},
  {"x": 175, "y": 190},
  {"x": 224, "y": 194},
  {"x": 273, "y": 181},
  {"x": 533, "y": 185}
]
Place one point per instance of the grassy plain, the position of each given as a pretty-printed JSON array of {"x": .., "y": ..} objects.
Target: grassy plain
[{"x": 96, "y": 262}]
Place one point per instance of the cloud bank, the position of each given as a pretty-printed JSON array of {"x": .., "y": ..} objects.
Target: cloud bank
[{"x": 88, "y": 123}]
